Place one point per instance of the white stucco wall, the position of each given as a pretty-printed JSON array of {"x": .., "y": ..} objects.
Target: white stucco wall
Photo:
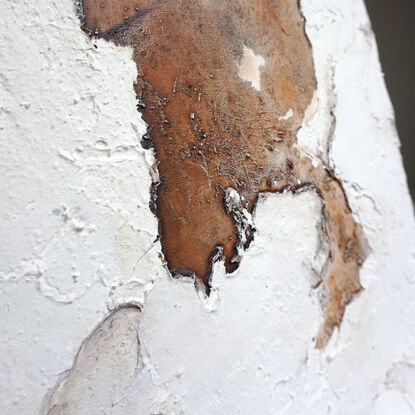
[{"x": 79, "y": 240}]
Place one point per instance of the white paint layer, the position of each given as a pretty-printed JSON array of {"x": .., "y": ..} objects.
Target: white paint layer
[
  {"x": 249, "y": 69},
  {"x": 287, "y": 115},
  {"x": 79, "y": 239}
]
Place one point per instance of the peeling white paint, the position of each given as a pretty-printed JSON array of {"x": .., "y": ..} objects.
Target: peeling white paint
[
  {"x": 311, "y": 110},
  {"x": 249, "y": 69},
  {"x": 241, "y": 217},
  {"x": 93, "y": 383},
  {"x": 81, "y": 240},
  {"x": 287, "y": 115}
]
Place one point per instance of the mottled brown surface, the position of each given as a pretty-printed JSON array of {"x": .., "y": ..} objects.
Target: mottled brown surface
[{"x": 212, "y": 131}]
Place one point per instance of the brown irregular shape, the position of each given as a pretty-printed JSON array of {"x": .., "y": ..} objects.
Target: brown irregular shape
[
  {"x": 104, "y": 14},
  {"x": 216, "y": 127}
]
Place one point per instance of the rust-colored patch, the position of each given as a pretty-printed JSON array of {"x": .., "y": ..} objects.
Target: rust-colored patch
[{"x": 213, "y": 130}]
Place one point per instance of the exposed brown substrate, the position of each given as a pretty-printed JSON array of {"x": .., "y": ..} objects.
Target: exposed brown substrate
[{"x": 211, "y": 130}]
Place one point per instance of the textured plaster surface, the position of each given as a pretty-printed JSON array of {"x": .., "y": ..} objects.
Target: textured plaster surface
[{"x": 79, "y": 240}]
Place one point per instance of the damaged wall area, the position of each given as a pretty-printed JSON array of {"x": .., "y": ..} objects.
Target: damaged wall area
[
  {"x": 83, "y": 256},
  {"x": 224, "y": 90}
]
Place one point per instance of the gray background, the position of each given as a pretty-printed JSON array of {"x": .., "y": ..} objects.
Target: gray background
[{"x": 393, "y": 24}]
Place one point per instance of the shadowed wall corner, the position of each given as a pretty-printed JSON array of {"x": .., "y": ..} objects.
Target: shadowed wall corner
[{"x": 392, "y": 23}]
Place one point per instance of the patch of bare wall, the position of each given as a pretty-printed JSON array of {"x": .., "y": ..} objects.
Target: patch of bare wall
[{"x": 224, "y": 90}]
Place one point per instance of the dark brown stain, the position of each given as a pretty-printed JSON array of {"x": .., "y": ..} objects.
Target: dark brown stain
[{"x": 213, "y": 131}]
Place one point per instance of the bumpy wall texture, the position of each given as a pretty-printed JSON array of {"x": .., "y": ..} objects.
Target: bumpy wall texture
[{"x": 268, "y": 156}]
